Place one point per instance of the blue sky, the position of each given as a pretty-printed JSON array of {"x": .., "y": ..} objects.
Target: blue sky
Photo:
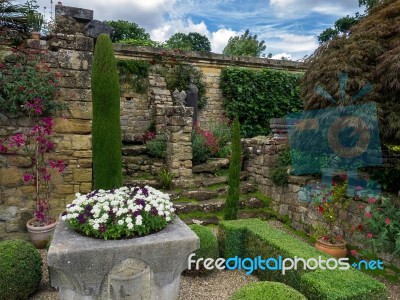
[{"x": 288, "y": 27}]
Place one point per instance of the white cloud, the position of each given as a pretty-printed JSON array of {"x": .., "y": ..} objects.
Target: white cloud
[
  {"x": 219, "y": 39},
  {"x": 171, "y": 27},
  {"x": 296, "y": 8},
  {"x": 282, "y": 55}
]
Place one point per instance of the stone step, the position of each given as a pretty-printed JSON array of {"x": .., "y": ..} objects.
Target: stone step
[
  {"x": 205, "y": 180},
  {"x": 215, "y": 205},
  {"x": 211, "y": 166},
  {"x": 207, "y": 220},
  {"x": 133, "y": 150},
  {"x": 202, "y": 194}
]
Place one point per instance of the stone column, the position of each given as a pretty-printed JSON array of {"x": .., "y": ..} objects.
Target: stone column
[{"x": 179, "y": 141}]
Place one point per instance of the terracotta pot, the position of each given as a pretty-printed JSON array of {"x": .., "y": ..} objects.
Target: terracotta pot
[
  {"x": 40, "y": 236},
  {"x": 336, "y": 250},
  {"x": 35, "y": 35}
]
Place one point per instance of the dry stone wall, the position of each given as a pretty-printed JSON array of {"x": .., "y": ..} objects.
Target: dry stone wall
[{"x": 70, "y": 55}]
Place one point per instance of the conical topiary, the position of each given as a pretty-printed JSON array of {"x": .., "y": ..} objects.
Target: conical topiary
[
  {"x": 232, "y": 198},
  {"x": 106, "y": 132}
]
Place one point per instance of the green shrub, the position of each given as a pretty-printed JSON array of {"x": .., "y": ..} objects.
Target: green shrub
[
  {"x": 166, "y": 179},
  {"x": 208, "y": 246},
  {"x": 253, "y": 238},
  {"x": 200, "y": 151},
  {"x": 20, "y": 269},
  {"x": 266, "y": 290},
  {"x": 157, "y": 147},
  {"x": 256, "y": 96},
  {"x": 106, "y": 132},
  {"x": 232, "y": 198},
  {"x": 134, "y": 73},
  {"x": 280, "y": 176}
]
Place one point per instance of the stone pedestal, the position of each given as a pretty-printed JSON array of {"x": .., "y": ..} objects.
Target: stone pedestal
[{"x": 139, "y": 268}]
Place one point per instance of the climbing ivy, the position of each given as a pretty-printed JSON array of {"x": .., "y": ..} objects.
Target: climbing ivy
[
  {"x": 256, "y": 96},
  {"x": 133, "y": 73}
]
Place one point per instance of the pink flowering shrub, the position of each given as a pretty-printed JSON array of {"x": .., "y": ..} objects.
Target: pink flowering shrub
[{"x": 36, "y": 143}]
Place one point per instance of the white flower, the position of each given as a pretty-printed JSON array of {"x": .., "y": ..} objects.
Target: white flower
[
  {"x": 130, "y": 225},
  {"x": 139, "y": 220},
  {"x": 128, "y": 220},
  {"x": 120, "y": 222}
]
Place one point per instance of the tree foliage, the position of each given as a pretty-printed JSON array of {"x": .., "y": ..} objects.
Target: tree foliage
[
  {"x": 127, "y": 30},
  {"x": 369, "y": 55},
  {"x": 246, "y": 44},
  {"x": 106, "y": 132},
  {"x": 342, "y": 26},
  {"x": 193, "y": 41}
]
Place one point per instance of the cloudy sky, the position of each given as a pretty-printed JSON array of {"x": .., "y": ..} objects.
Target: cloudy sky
[{"x": 287, "y": 26}]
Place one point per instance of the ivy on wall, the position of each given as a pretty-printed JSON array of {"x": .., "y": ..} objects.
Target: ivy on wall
[
  {"x": 256, "y": 96},
  {"x": 133, "y": 73}
]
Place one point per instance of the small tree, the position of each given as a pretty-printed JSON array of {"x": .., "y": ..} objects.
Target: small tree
[
  {"x": 232, "y": 199},
  {"x": 246, "y": 44},
  {"x": 106, "y": 132},
  {"x": 125, "y": 30}
]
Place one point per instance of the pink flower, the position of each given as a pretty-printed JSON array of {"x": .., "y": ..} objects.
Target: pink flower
[
  {"x": 353, "y": 252},
  {"x": 18, "y": 139},
  {"x": 27, "y": 177},
  {"x": 371, "y": 200},
  {"x": 368, "y": 215},
  {"x": 370, "y": 235},
  {"x": 387, "y": 221},
  {"x": 359, "y": 188}
]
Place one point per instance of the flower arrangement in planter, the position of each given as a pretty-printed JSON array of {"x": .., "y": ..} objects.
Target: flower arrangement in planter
[
  {"x": 119, "y": 213},
  {"x": 36, "y": 143},
  {"x": 329, "y": 201}
]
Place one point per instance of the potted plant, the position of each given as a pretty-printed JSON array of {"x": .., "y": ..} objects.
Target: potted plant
[
  {"x": 36, "y": 143},
  {"x": 329, "y": 201},
  {"x": 34, "y": 22}
]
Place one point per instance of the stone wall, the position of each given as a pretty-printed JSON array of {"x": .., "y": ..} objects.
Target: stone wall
[
  {"x": 210, "y": 64},
  {"x": 70, "y": 55}
]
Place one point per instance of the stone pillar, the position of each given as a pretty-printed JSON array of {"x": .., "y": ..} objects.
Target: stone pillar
[
  {"x": 159, "y": 98},
  {"x": 179, "y": 141}
]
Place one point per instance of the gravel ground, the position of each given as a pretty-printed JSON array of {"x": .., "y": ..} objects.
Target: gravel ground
[{"x": 219, "y": 285}]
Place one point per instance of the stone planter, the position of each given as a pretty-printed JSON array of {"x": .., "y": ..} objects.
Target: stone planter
[
  {"x": 40, "y": 236},
  {"x": 146, "y": 267}
]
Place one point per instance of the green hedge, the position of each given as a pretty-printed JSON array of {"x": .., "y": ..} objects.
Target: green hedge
[
  {"x": 208, "y": 246},
  {"x": 266, "y": 290},
  {"x": 259, "y": 95},
  {"x": 253, "y": 238}
]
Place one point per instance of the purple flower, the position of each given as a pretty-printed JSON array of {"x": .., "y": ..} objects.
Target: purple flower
[
  {"x": 136, "y": 213},
  {"x": 81, "y": 218},
  {"x": 145, "y": 192},
  {"x": 154, "y": 211},
  {"x": 140, "y": 202}
]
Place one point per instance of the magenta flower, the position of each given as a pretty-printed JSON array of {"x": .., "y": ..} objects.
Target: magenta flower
[
  {"x": 387, "y": 221},
  {"x": 28, "y": 177},
  {"x": 371, "y": 200},
  {"x": 353, "y": 252},
  {"x": 368, "y": 215},
  {"x": 370, "y": 235},
  {"x": 359, "y": 188}
]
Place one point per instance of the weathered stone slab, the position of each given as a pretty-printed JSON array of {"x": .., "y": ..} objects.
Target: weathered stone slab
[
  {"x": 81, "y": 14},
  {"x": 211, "y": 165},
  {"x": 146, "y": 267},
  {"x": 95, "y": 28}
]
